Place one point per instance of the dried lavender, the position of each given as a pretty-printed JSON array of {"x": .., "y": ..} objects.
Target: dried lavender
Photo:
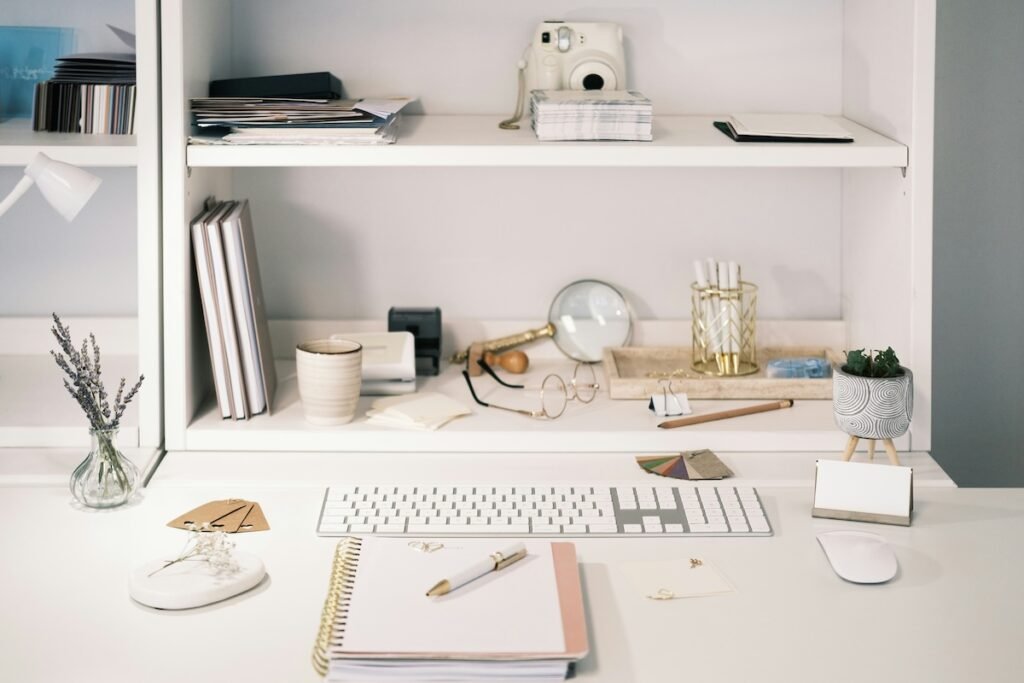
[{"x": 84, "y": 380}]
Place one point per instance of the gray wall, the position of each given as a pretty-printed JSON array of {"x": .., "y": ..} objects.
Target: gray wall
[{"x": 978, "y": 333}]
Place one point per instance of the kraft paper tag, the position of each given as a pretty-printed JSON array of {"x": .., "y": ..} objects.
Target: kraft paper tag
[
  {"x": 704, "y": 464},
  {"x": 254, "y": 520},
  {"x": 230, "y": 516}
]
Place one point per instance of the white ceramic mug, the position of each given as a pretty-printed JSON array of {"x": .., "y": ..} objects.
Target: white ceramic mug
[{"x": 330, "y": 374}]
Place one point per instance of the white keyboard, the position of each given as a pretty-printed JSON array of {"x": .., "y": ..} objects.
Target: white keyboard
[{"x": 542, "y": 511}]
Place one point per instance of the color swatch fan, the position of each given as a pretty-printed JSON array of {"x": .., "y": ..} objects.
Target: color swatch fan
[{"x": 692, "y": 465}]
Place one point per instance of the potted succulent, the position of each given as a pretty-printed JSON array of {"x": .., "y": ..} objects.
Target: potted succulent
[{"x": 873, "y": 398}]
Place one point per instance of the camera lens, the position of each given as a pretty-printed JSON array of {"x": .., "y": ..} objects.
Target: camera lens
[
  {"x": 592, "y": 82},
  {"x": 545, "y": 37}
]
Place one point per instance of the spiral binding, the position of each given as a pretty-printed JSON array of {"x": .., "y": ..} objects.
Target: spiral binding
[{"x": 339, "y": 596}]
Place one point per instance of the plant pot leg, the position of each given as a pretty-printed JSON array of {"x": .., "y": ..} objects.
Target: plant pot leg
[
  {"x": 851, "y": 446},
  {"x": 871, "y": 449},
  {"x": 891, "y": 450}
]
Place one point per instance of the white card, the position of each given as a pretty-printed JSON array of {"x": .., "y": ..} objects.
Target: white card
[
  {"x": 863, "y": 492},
  {"x": 682, "y": 578}
]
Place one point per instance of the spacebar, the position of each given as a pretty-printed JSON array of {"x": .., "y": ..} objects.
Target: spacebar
[{"x": 478, "y": 529}]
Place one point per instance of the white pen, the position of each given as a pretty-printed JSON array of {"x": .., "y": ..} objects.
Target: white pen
[
  {"x": 492, "y": 563},
  {"x": 734, "y": 315},
  {"x": 715, "y": 324}
]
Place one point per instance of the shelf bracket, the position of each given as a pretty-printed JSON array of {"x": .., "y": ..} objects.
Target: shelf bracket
[{"x": 903, "y": 171}]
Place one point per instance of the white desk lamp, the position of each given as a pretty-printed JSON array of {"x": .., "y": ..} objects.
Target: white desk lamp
[{"x": 67, "y": 188}]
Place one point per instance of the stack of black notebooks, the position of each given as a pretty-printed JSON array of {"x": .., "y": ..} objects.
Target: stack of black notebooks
[{"x": 89, "y": 93}]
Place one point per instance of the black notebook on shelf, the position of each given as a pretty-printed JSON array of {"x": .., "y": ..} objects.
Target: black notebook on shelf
[
  {"x": 783, "y": 128},
  {"x": 320, "y": 85}
]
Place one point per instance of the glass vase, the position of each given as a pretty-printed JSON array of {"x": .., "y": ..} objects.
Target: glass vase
[{"x": 106, "y": 478}]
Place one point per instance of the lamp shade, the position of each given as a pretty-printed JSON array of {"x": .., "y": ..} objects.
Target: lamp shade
[{"x": 67, "y": 188}]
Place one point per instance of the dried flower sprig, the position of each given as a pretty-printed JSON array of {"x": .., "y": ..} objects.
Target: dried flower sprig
[
  {"x": 84, "y": 379},
  {"x": 206, "y": 545}
]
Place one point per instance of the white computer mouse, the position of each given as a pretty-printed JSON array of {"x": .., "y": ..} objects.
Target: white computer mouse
[{"x": 859, "y": 556}]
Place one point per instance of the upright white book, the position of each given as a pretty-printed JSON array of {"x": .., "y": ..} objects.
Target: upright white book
[
  {"x": 208, "y": 298},
  {"x": 225, "y": 311},
  {"x": 247, "y": 302}
]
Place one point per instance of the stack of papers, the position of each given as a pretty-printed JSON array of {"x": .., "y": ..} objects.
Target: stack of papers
[
  {"x": 591, "y": 115},
  {"x": 96, "y": 67},
  {"x": 291, "y": 121},
  {"x": 423, "y": 411},
  {"x": 90, "y": 93}
]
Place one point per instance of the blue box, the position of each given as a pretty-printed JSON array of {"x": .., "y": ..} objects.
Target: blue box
[{"x": 27, "y": 57}]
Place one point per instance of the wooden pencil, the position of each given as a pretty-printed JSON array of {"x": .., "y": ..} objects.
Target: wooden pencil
[{"x": 725, "y": 414}]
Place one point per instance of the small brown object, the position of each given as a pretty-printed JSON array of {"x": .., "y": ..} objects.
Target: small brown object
[
  {"x": 475, "y": 352},
  {"x": 515, "y": 362}
]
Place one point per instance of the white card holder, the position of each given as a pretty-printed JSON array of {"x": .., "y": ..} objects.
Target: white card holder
[{"x": 862, "y": 492}]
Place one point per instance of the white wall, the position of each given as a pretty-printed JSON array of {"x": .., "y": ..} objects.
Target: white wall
[
  {"x": 784, "y": 54},
  {"x": 84, "y": 268},
  {"x": 498, "y": 243}
]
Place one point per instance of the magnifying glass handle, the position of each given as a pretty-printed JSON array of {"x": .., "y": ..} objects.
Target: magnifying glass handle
[{"x": 503, "y": 343}]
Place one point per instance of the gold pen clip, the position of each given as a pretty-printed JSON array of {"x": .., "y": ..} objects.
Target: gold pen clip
[{"x": 500, "y": 561}]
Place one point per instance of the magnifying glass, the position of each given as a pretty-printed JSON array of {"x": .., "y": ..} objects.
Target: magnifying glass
[{"x": 585, "y": 317}]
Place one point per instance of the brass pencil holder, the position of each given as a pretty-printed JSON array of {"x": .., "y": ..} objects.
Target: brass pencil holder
[{"x": 724, "y": 330}]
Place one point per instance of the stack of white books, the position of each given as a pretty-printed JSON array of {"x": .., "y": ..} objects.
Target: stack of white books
[
  {"x": 244, "y": 378},
  {"x": 591, "y": 115}
]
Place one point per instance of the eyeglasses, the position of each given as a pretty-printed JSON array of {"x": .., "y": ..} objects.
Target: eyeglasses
[{"x": 555, "y": 392}]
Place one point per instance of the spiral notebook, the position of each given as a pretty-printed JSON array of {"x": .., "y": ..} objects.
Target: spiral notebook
[{"x": 525, "y": 622}]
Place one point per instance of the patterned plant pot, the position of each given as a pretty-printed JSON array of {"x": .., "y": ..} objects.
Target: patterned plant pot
[{"x": 873, "y": 407}]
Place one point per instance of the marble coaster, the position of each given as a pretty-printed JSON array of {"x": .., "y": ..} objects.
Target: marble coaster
[{"x": 193, "y": 584}]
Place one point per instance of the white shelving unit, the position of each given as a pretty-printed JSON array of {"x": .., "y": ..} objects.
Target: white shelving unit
[
  {"x": 41, "y": 429},
  {"x": 482, "y": 237}
]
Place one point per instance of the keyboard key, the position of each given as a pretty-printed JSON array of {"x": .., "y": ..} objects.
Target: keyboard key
[
  {"x": 759, "y": 526},
  {"x": 633, "y": 528},
  {"x": 361, "y": 528},
  {"x": 602, "y": 528},
  {"x": 709, "y": 528},
  {"x": 390, "y": 528},
  {"x": 547, "y": 528},
  {"x": 627, "y": 505},
  {"x": 674, "y": 528}
]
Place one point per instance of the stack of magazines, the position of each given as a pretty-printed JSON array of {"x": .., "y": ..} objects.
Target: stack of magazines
[
  {"x": 89, "y": 93},
  {"x": 591, "y": 115},
  {"x": 293, "y": 121}
]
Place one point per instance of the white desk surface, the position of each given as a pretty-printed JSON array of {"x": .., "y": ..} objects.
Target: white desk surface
[{"x": 952, "y": 614}]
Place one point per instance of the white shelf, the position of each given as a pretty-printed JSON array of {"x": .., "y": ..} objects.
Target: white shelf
[
  {"x": 19, "y": 144},
  {"x": 252, "y": 468},
  {"x": 602, "y": 426},
  {"x": 37, "y": 412},
  {"x": 679, "y": 141}
]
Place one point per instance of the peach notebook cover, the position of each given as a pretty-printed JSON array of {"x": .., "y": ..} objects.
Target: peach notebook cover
[{"x": 377, "y": 606}]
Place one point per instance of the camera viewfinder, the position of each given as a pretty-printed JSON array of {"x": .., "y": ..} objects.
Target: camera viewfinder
[{"x": 545, "y": 37}]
